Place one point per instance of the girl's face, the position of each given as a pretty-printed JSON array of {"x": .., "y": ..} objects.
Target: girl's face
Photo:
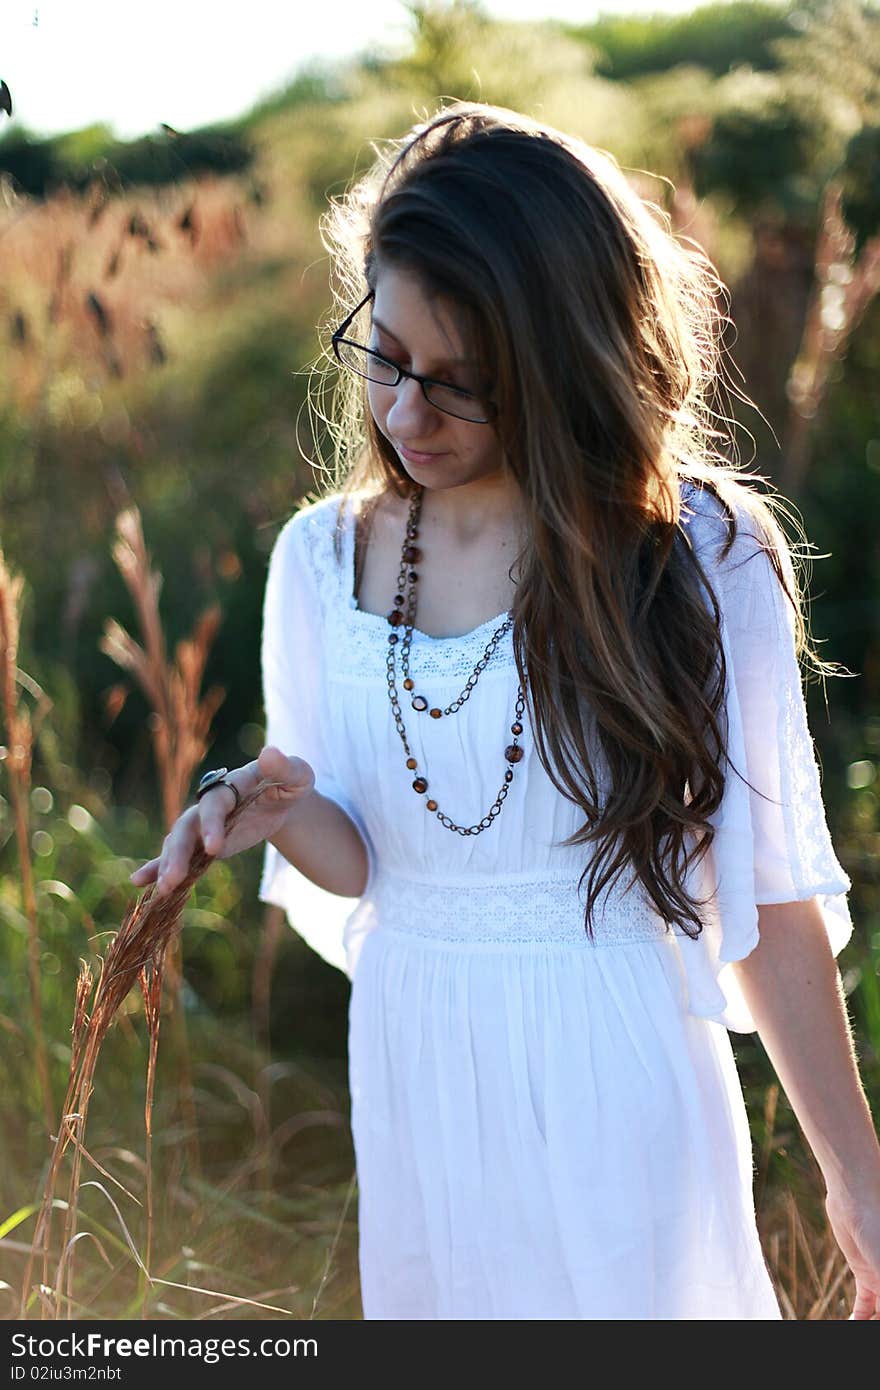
[{"x": 437, "y": 450}]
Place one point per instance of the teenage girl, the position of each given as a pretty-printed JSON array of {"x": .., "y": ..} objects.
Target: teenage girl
[{"x": 549, "y": 794}]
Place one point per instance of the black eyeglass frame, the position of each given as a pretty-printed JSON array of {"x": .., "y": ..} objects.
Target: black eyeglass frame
[{"x": 424, "y": 381}]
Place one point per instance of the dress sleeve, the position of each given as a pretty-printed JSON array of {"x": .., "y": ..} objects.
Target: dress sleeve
[
  {"x": 295, "y": 702},
  {"x": 772, "y": 843}
]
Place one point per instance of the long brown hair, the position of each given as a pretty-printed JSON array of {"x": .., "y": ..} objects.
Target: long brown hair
[{"x": 601, "y": 332}]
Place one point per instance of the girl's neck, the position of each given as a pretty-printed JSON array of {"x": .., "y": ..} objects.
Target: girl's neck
[{"x": 474, "y": 510}]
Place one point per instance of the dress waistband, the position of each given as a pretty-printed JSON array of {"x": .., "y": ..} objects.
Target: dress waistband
[{"x": 524, "y": 911}]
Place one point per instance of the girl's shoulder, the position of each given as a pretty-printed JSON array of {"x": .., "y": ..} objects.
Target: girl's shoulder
[
  {"x": 746, "y": 556},
  {"x": 313, "y": 515},
  {"x": 301, "y": 558},
  {"x": 728, "y": 522},
  {"x": 319, "y": 538},
  {"x": 336, "y": 510},
  {"x": 310, "y": 529}
]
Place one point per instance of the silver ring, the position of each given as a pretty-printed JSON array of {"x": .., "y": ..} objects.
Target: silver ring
[{"x": 218, "y": 778}]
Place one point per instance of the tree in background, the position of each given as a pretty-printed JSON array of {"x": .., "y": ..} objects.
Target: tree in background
[{"x": 797, "y": 156}]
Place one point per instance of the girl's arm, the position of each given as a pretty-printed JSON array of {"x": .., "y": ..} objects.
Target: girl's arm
[
  {"x": 320, "y": 839},
  {"x": 792, "y": 986}
]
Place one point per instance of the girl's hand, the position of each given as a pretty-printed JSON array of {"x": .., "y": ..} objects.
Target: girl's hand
[
  {"x": 856, "y": 1226},
  {"x": 205, "y": 822}
]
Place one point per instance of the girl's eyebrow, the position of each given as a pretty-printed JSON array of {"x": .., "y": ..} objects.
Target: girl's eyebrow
[{"x": 441, "y": 362}]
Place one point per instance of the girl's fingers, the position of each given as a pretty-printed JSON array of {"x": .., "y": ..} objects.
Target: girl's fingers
[
  {"x": 170, "y": 867},
  {"x": 146, "y": 873},
  {"x": 214, "y": 807},
  {"x": 216, "y": 804},
  {"x": 206, "y": 819},
  {"x": 177, "y": 851}
]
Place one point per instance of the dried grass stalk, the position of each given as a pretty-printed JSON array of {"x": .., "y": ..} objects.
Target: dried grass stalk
[
  {"x": 136, "y": 957},
  {"x": 182, "y": 723},
  {"x": 20, "y": 735},
  {"x": 180, "y": 727}
]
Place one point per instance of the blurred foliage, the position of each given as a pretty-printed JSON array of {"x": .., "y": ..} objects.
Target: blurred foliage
[
  {"x": 836, "y": 51},
  {"x": 186, "y": 393},
  {"x": 776, "y": 141},
  {"x": 861, "y": 184},
  {"x": 40, "y": 166},
  {"x": 457, "y": 49},
  {"x": 770, "y": 155},
  {"x": 317, "y": 83},
  {"x": 714, "y": 37},
  {"x": 840, "y": 505}
]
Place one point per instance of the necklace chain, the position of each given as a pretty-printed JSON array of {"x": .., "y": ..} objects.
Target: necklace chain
[{"x": 405, "y": 617}]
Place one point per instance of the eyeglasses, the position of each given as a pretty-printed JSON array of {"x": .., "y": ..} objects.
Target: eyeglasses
[{"x": 452, "y": 400}]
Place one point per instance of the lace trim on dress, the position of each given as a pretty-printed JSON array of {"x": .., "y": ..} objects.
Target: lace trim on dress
[{"x": 539, "y": 911}]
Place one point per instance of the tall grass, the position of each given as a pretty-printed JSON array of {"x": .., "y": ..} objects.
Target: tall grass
[
  {"x": 136, "y": 957},
  {"x": 181, "y": 722},
  {"x": 20, "y": 729},
  {"x": 809, "y": 1273},
  {"x": 180, "y": 726}
]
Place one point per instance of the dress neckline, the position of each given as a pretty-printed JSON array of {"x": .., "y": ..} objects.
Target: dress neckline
[{"x": 365, "y": 615}]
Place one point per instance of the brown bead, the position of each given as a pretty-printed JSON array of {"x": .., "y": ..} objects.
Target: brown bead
[
  {"x": 395, "y": 617},
  {"x": 516, "y": 728},
  {"x": 420, "y": 785},
  {"x": 393, "y": 638},
  {"x": 411, "y": 764},
  {"x": 431, "y": 805},
  {"x": 436, "y": 714},
  {"x": 412, "y": 554},
  {"x": 419, "y": 702},
  {"x": 508, "y": 776},
  {"x": 408, "y": 683},
  {"x": 512, "y": 753}
]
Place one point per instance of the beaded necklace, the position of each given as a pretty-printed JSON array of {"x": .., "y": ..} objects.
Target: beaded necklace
[{"x": 405, "y": 616}]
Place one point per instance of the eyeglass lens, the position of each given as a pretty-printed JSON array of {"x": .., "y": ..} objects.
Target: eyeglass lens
[{"x": 445, "y": 398}]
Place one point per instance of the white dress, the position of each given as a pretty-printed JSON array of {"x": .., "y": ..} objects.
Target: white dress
[{"x": 544, "y": 1128}]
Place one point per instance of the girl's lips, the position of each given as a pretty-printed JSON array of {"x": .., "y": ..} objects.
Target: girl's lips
[{"x": 412, "y": 456}]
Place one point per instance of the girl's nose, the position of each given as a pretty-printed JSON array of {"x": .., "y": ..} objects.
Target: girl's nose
[{"x": 410, "y": 415}]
